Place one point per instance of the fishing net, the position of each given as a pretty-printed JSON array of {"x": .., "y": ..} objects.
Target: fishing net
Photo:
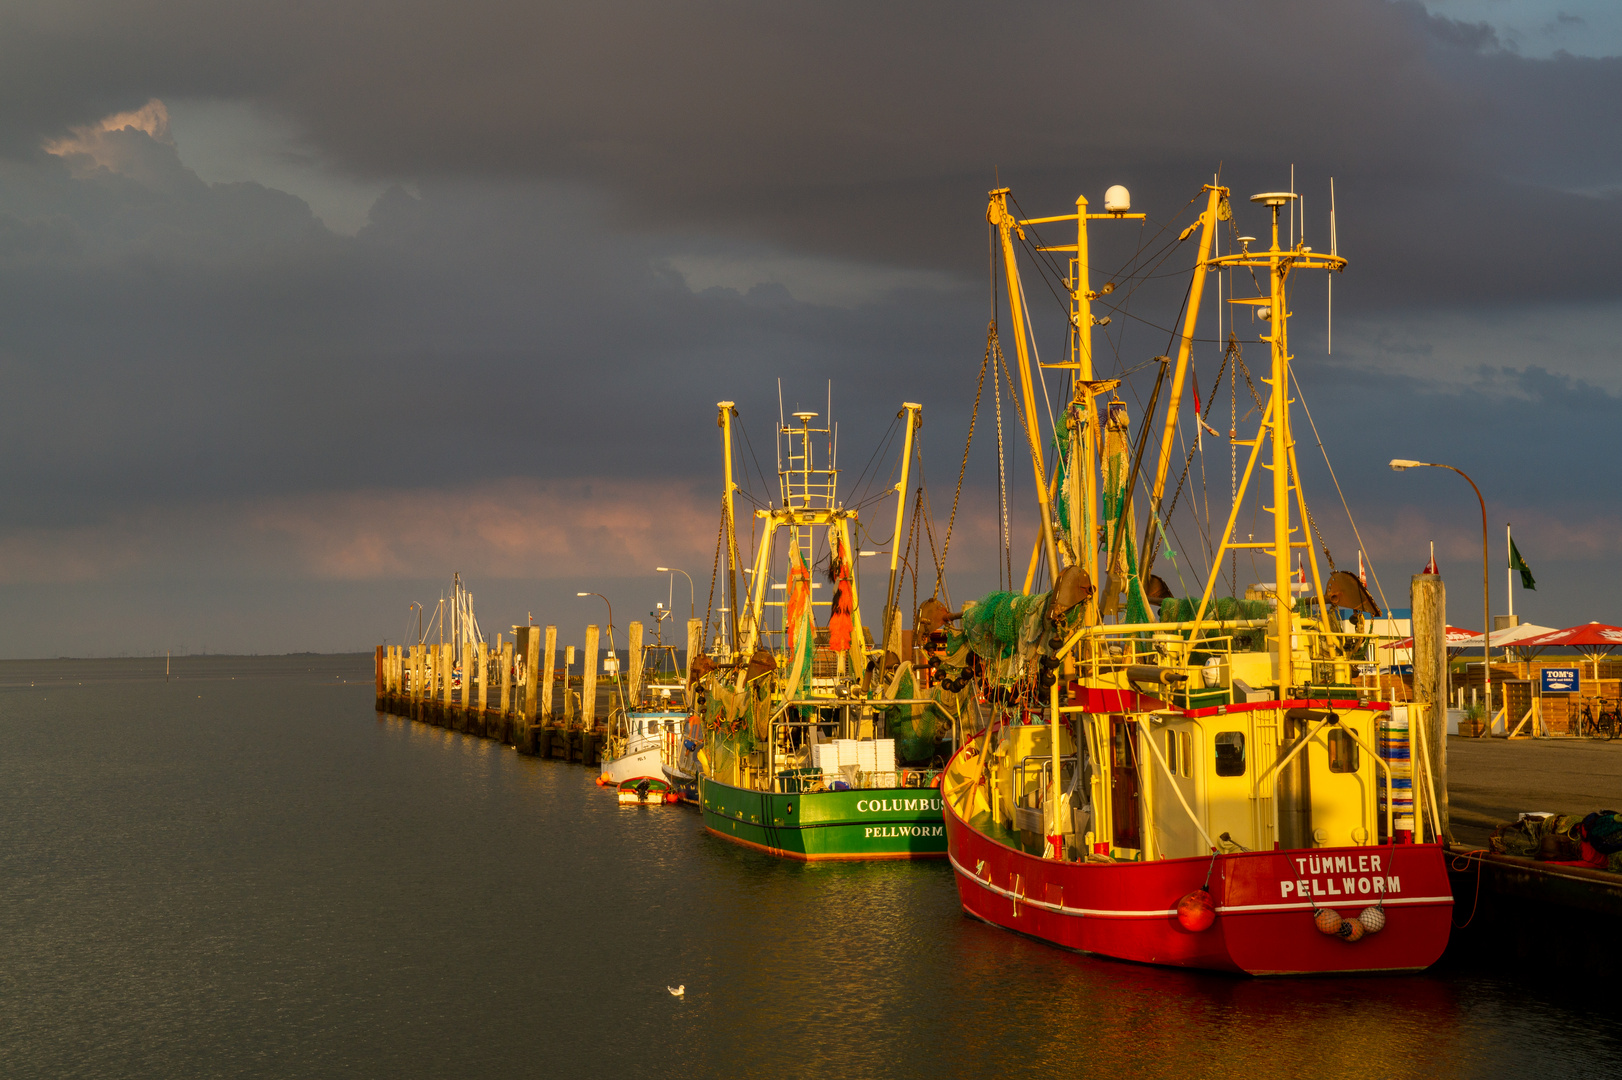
[
  {"x": 999, "y": 624},
  {"x": 1221, "y": 609}
]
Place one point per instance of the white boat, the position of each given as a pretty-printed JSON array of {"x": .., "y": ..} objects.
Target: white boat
[{"x": 648, "y": 734}]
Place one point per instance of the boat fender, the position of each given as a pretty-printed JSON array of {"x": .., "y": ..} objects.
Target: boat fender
[
  {"x": 1196, "y": 911},
  {"x": 1373, "y": 919},
  {"x": 603, "y": 780},
  {"x": 1328, "y": 920}
]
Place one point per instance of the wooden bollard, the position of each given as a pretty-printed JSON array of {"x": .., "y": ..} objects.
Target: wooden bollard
[
  {"x": 588, "y": 681},
  {"x": 1428, "y": 596},
  {"x": 504, "y": 651},
  {"x": 568, "y": 698},
  {"x": 549, "y": 663},
  {"x": 481, "y": 700},
  {"x": 633, "y": 646},
  {"x": 419, "y": 679},
  {"x": 695, "y": 646},
  {"x": 430, "y": 683},
  {"x": 447, "y": 682}
]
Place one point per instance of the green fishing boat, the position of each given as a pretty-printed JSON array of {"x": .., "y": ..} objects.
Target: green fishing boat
[{"x": 818, "y": 742}]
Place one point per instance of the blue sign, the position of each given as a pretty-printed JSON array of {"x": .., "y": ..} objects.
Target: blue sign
[{"x": 1560, "y": 680}]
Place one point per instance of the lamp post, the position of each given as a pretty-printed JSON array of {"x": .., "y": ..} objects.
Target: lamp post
[
  {"x": 692, "y": 603},
  {"x": 593, "y": 659},
  {"x": 1398, "y": 465}
]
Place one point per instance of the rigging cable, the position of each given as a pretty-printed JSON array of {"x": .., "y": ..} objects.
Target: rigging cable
[
  {"x": 946, "y": 546},
  {"x": 1342, "y": 495}
]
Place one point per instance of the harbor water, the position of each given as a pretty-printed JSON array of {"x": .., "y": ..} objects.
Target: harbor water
[{"x": 243, "y": 871}]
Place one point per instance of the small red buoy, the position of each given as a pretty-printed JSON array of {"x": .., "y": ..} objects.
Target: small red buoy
[
  {"x": 1196, "y": 911},
  {"x": 1328, "y": 920},
  {"x": 671, "y": 796}
]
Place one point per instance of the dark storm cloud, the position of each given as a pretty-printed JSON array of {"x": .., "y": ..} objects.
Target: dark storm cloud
[
  {"x": 216, "y": 341},
  {"x": 865, "y": 130}
]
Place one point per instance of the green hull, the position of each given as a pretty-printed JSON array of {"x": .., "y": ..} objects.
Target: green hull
[{"x": 894, "y": 823}]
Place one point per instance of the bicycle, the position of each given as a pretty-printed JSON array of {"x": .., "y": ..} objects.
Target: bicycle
[
  {"x": 1610, "y": 720},
  {"x": 1608, "y": 725}
]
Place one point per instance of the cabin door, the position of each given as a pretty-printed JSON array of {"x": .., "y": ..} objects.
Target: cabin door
[{"x": 1124, "y": 793}]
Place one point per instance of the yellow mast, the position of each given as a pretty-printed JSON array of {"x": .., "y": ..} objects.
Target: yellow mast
[
  {"x": 1083, "y": 385},
  {"x": 1276, "y": 424},
  {"x": 997, "y": 213},
  {"x": 911, "y": 411},
  {"x": 1280, "y": 381},
  {"x": 725, "y": 423},
  {"x": 1116, "y": 204},
  {"x": 1216, "y": 207}
]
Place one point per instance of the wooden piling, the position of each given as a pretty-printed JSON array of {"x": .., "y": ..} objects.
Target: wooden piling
[
  {"x": 1428, "y": 597},
  {"x": 483, "y": 653},
  {"x": 633, "y": 645},
  {"x": 695, "y": 646},
  {"x": 504, "y": 651},
  {"x": 568, "y": 699},
  {"x": 419, "y": 679},
  {"x": 447, "y": 682},
  {"x": 549, "y": 663},
  {"x": 532, "y": 674},
  {"x": 588, "y": 681}
]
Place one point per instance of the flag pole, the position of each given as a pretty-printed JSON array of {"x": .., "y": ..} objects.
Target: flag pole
[{"x": 1509, "y": 572}]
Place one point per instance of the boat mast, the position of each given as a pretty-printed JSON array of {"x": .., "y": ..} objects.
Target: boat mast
[
  {"x": 997, "y": 213},
  {"x": 1278, "y": 339},
  {"x": 912, "y": 412},
  {"x": 1216, "y": 209},
  {"x": 728, "y": 411}
]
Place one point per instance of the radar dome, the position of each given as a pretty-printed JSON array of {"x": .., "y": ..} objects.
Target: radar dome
[{"x": 1117, "y": 200}]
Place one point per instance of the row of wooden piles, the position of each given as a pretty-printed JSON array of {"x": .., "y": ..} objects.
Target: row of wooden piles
[{"x": 513, "y": 690}]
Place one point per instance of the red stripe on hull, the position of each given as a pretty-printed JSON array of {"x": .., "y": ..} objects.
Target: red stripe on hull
[{"x": 1127, "y": 910}]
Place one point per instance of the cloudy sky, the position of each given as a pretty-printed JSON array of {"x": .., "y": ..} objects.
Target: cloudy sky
[{"x": 305, "y": 306}]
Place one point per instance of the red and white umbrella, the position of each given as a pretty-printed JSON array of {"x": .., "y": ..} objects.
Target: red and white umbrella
[
  {"x": 1593, "y": 639},
  {"x": 1453, "y": 636}
]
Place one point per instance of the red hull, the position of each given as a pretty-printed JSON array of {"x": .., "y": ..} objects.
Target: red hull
[{"x": 1128, "y": 910}]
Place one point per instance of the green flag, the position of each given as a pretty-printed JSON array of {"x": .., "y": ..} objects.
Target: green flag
[{"x": 1518, "y": 563}]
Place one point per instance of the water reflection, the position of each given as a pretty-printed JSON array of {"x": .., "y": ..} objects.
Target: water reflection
[{"x": 266, "y": 881}]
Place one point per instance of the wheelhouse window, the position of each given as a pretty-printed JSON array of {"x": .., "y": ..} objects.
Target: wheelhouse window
[
  {"x": 1230, "y": 753},
  {"x": 1343, "y": 751}
]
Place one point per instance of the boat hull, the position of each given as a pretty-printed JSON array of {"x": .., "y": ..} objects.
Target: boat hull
[
  {"x": 1127, "y": 910},
  {"x": 648, "y": 761},
  {"x": 644, "y": 791},
  {"x": 891, "y": 823}
]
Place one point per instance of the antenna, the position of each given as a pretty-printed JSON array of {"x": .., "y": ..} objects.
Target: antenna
[
  {"x": 1217, "y": 250},
  {"x": 1330, "y": 277},
  {"x": 1292, "y": 204}
]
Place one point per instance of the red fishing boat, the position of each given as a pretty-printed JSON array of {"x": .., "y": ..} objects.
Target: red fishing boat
[{"x": 1197, "y": 782}]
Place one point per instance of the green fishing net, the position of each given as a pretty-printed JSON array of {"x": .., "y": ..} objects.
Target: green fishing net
[
  {"x": 1220, "y": 610},
  {"x": 996, "y": 623}
]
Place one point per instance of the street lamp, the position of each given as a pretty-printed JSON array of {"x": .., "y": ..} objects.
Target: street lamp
[
  {"x": 592, "y": 660},
  {"x": 1398, "y": 465},
  {"x": 692, "y": 604}
]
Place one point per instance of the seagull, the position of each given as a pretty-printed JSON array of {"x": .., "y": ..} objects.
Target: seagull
[{"x": 677, "y": 991}]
